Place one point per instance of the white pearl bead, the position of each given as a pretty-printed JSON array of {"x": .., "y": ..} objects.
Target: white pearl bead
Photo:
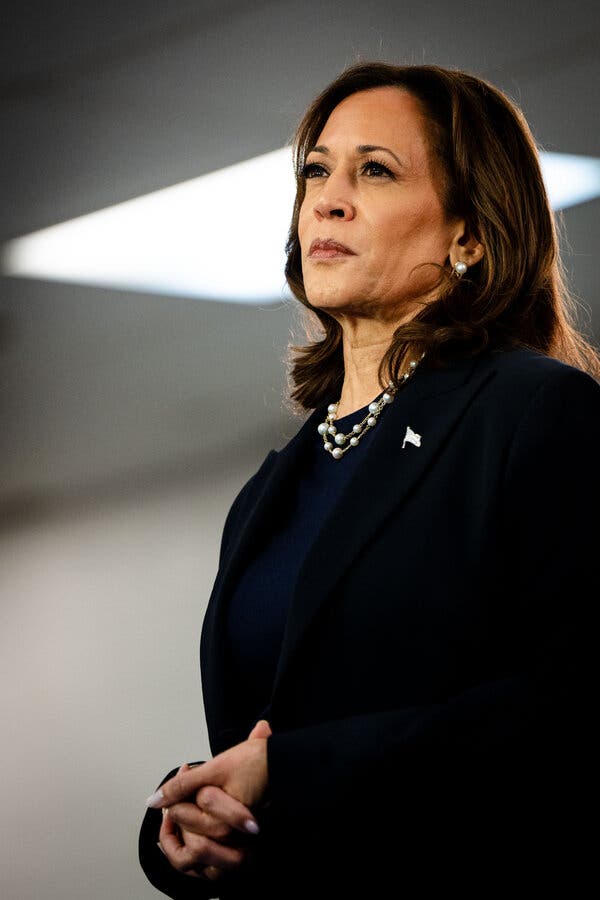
[
  {"x": 332, "y": 429},
  {"x": 387, "y": 398},
  {"x": 340, "y": 438},
  {"x": 373, "y": 407},
  {"x": 332, "y": 407},
  {"x": 460, "y": 267},
  {"x": 371, "y": 421},
  {"x": 328, "y": 446},
  {"x": 357, "y": 429},
  {"x": 337, "y": 453},
  {"x": 322, "y": 429},
  {"x": 354, "y": 441},
  {"x": 413, "y": 364}
]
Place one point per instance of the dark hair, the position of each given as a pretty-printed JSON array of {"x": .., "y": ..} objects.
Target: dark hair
[{"x": 491, "y": 177}]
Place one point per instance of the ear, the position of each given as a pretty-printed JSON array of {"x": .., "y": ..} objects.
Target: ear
[{"x": 465, "y": 246}]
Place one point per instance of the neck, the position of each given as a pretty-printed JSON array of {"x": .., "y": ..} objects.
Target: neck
[{"x": 364, "y": 345}]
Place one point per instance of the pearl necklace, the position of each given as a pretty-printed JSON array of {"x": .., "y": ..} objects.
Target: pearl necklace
[{"x": 343, "y": 442}]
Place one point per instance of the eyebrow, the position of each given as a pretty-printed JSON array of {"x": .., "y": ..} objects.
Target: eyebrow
[{"x": 362, "y": 149}]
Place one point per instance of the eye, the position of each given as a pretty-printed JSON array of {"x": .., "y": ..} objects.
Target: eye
[
  {"x": 376, "y": 169},
  {"x": 313, "y": 170}
]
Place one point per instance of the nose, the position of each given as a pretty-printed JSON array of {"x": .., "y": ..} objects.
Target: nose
[{"x": 333, "y": 201}]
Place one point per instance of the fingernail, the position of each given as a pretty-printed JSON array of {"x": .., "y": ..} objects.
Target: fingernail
[
  {"x": 212, "y": 872},
  {"x": 155, "y": 799},
  {"x": 158, "y": 844},
  {"x": 251, "y": 826}
]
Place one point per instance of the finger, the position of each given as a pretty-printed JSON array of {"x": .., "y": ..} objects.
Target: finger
[
  {"x": 190, "y": 852},
  {"x": 197, "y": 821},
  {"x": 215, "y": 814},
  {"x": 189, "y": 871},
  {"x": 169, "y": 829},
  {"x": 153, "y": 799},
  {"x": 262, "y": 729},
  {"x": 218, "y": 804},
  {"x": 185, "y": 782}
]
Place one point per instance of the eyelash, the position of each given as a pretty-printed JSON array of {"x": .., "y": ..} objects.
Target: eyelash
[{"x": 309, "y": 170}]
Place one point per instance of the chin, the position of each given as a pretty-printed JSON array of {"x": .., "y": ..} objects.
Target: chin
[{"x": 329, "y": 292}]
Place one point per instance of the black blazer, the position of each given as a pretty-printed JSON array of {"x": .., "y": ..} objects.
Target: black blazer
[{"x": 431, "y": 710}]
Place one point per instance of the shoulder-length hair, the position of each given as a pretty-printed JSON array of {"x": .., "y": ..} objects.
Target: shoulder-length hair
[{"x": 491, "y": 177}]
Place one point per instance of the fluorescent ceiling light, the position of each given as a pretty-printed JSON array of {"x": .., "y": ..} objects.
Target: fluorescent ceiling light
[
  {"x": 570, "y": 179},
  {"x": 220, "y": 236}
]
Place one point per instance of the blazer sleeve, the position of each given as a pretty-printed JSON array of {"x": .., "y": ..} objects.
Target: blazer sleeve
[
  {"x": 512, "y": 756},
  {"x": 155, "y": 865}
]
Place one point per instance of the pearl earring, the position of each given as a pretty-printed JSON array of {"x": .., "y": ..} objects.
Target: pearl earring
[{"x": 460, "y": 268}]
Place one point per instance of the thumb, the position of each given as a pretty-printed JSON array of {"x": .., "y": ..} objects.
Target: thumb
[{"x": 262, "y": 729}]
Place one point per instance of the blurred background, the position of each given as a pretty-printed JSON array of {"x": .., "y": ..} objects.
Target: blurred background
[{"x": 129, "y": 419}]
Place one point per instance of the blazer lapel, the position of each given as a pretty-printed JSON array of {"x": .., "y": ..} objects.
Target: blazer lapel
[{"x": 418, "y": 424}]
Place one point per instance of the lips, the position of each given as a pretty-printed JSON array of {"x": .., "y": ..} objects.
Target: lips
[{"x": 328, "y": 249}]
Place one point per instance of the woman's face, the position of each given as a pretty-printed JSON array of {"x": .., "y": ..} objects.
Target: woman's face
[{"x": 370, "y": 187}]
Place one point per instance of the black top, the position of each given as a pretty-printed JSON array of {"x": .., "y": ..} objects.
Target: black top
[{"x": 259, "y": 605}]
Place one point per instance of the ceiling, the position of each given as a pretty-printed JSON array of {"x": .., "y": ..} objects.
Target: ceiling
[{"x": 105, "y": 391}]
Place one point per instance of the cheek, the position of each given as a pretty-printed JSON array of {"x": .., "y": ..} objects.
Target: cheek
[
  {"x": 302, "y": 221},
  {"x": 413, "y": 229}
]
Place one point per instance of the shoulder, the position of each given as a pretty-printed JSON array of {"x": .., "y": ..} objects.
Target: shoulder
[
  {"x": 522, "y": 399},
  {"x": 518, "y": 377},
  {"x": 254, "y": 487},
  {"x": 256, "y": 479},
  {"x": 548, "y": 409},
  {"x": 529, "y": 365},
  {"x": 244, "y": 499}
]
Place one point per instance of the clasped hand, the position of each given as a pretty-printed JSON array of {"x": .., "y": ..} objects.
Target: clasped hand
[{"x": 207, "y": 818}]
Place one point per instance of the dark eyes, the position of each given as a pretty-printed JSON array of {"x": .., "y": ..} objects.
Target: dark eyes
[{"x": 371, "y": 168}]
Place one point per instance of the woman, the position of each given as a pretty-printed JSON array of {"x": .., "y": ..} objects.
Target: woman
[{"x": 394, "y": 659}]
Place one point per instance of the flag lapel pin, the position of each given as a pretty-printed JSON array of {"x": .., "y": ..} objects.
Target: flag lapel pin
[{"x": 411, "y": 437}]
